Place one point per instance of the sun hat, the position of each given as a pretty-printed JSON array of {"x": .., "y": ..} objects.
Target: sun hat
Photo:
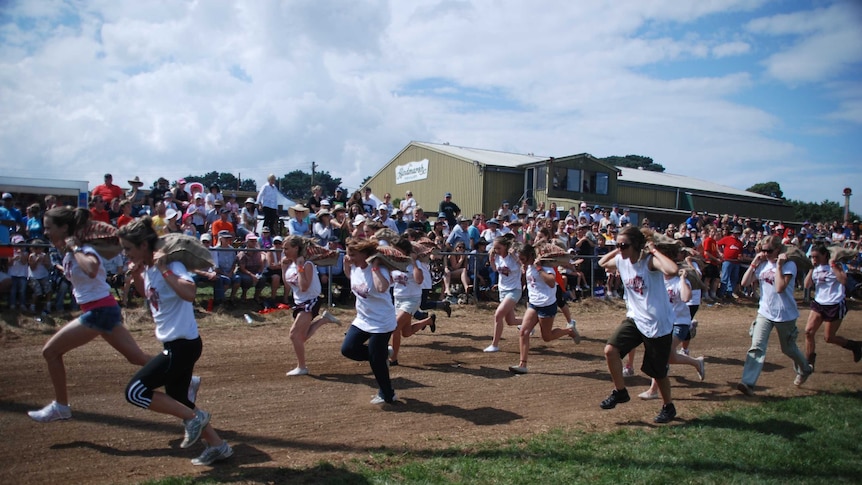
[
  {"x": 135, "y": 181},
  {"x": 250, "y": 201},
  {"x": 251, "y": 237},
  {"x": 170, "y": 214},
  {"x": 297, "y": 208}
]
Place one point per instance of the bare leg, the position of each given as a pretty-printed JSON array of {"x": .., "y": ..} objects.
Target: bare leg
[
  {"x": 811, "y": 327},
  {"x": 615, "y": 366},
  {"x": 298, "y": 336},
  {"x": 531, "y": 318},
  {"x": 505, "y": 313},
  {"x": 71, "y": 336},
  {"x": 122, "y": 340}
]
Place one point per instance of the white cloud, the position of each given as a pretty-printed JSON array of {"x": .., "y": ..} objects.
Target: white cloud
[{"x": 178, "y": 88}]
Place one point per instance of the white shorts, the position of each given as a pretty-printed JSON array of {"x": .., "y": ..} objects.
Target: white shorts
[{"x": 408, "y": 305}]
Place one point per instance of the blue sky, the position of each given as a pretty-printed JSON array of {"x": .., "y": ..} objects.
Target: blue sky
[{"x": 733, "y": 91}]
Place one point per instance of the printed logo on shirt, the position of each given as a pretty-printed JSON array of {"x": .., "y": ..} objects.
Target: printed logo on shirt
[
  {"x": 153, "y": 298},
  {"x": 768, "y": 276},
  {"x": 360, "y": 290},
  {"x": 636, "y": 284}
]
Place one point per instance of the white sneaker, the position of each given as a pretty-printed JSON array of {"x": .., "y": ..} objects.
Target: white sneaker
[
  {"x": 52, "y": 412},
  {"x": 575, "y": 334},
  {"x": 646, "y": 395},
  {"x": 391, "y": 351},
  {"x": 213, "y": 454},
  {"x": 701, "y": 368},
  {"x": 628, "y": 371},
  {"x": 378, "y": 399},
  {"x": 491, "y": 348},
  {"x": 516, "y": 369},
  {"x": 194, "y": 385},
  {"x": 299, "y": 371},
  {"x": 194, "y": 428},
  {"x": 330, "y": 317}
]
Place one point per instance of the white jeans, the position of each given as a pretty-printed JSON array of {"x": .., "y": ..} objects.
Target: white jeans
[{"x": 787, "y": 333}]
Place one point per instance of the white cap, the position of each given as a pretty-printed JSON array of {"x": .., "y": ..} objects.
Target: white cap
[
  {"x": 359, "y": 219},
  {"x": 383, "y": 207}
]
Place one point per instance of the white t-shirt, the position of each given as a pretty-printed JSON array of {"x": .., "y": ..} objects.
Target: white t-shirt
[
  {"x": 291, "y": 277},
  {"x": 375, "y": 312},
  {"x": 682, "y": 316},
  {"x": 539, "y": 293},
  {"x": 509, "y": 270},
  {"x": 774, "y": 306},
  {"x": 646, "y": 297},
  {"x": 827, "y": 289},
  {"x": 408, "y": 206},
  {"x": 427, "y": 282},
  {"x": 174, "y": 317},
  {"x": 84, "y": 288},
  {"x": 406, "y": 286}
]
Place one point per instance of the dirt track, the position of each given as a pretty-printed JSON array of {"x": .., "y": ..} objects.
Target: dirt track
[{"x": 451, "y": 392}]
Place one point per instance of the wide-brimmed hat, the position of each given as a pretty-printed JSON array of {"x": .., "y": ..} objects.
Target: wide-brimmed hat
[
  {"x": 170, "y": 214},
  {"x": 250, "y": 200},
  {"x": 323, "y": 212},
  {"x": 251, "y": 237},
  {"x": 297, "y": 208},
  {"x": 493, "y": 220},
  {"x": 136, "y": 181}
]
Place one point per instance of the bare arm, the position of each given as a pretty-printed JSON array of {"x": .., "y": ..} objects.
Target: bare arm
[
  {"x": 184, "y": 288},
  {"x": 608, "y": 261},
  {"x": 684, "y": 287},
  {"x": 381, "y": 283}
]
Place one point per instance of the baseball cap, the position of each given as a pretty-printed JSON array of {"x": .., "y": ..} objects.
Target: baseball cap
[
  {"x": 358, "y": 220},
  {"x": 383, "y": 207},
  {"x": 199, "y": 196},
  {"x": 224, "y": 233},
  {"x": 448, "y": 194},
  {"x": 181, "y": 181},
  {"x": 277, "y": 239},
  {"x": 265, "y": 229},
  {"x": 7, "y": 195},
  {"x": 251, "y": 237},
  {"x": 207, "y": 237}
]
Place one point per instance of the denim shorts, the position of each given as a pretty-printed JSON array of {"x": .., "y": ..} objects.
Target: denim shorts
[
  {"x": 682, "y": 332},
  {"x": 408, "y": 305},
  {"x": 548, "y": 311},
  {"x": 514, "y": 295},
  {"x": 102, "y": 319}
]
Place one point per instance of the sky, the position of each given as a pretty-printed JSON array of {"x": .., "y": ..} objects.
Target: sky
[{"x": 737, "y": 92}]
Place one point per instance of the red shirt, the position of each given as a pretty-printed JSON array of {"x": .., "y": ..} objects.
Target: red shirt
[
  {"x": 100, "y": 215},
  {"x": 108, "y": 193},
  {"x": 710, "y": 250},
  {"x": 732, "y": 247},
  {"x": 123, "y": 220}
]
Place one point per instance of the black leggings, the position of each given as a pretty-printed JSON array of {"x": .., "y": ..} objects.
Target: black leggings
[
  {"x": 427, "y": 304},
  {"x": 172, "y": 368}
]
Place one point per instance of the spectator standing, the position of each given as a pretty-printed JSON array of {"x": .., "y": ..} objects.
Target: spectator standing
[
  {"x": 181, "y": 197},
  {"x": 108, "y": 191},
  {"x": 158, "y": 193},
  {"x": 213, "y": 196},
  {"x": 777, "y": 309},
  {"x": 97, "y": 210},
  {"x": 267, "y": 201},
  {"x": 449, "y": 209},
  {"x": 384, "y": 219},
  {"x": 731, "y": 247},
  {"x": 136, "y": 196},
  {"x": 370, "y": 202},
  {"x": 222, "y": 224},
  {"x": 408, "y": 207}
]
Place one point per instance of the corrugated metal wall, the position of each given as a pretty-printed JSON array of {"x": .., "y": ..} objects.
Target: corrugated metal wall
[{"x": 445, "y": 174}]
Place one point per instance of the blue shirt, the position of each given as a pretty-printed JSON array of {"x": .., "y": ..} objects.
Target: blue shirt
[{"x": 5, "y": 232}]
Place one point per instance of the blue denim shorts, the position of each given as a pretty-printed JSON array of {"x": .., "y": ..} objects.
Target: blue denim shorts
[
  {"x": 548, "y": 311},
  {"x": 682, "y": 332},
  {"x": 102, "y": 319},
  {"x": 511, "y": 294}
]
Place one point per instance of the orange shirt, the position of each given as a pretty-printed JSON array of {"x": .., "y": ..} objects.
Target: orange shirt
[
  {"x": 123, "y": 220},
  {"x": 221, "y": 225}
]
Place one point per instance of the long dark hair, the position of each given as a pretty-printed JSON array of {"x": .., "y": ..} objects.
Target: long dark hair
[
  {"x": 72, "y": 217},
  {"x": 140, "y": 231}
]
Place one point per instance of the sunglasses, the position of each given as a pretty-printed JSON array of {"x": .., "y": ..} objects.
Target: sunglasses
[
  {"x": 622, "y": 246},
  {"x": 766, "y": 250}
]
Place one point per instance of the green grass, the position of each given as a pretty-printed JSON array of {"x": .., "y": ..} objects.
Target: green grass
[{"x": 800, "y": 440}]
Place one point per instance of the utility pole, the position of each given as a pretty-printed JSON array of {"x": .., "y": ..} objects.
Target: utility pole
[{"x": 313, "y": 167}]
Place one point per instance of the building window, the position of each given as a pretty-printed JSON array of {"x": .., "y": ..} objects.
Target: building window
[
  {"x": 601, "y": 184},
  {"x": 541, "y": 178},
  {"x": 573, "y": 180}
]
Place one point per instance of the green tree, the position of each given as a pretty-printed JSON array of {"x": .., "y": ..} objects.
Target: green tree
[
  {"x": 772, "y": 189},
  {"x": 225, "y": 181},
  {"x": 297, "y": 184},
  {"x": 826, "y": 211},
  {"x": 634, "y": 161}
]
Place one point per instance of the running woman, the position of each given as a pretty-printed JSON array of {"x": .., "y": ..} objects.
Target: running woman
[
  {"x": 505, "y": 263},
  {"x": 170, "y": 291},
  {"x": 407, "y": 290}
]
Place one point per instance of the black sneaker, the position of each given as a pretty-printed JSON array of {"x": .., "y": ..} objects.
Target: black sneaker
[
  {"x": 667, "y": 413},
  {"x": 447, "y": 307},
  {"x": 616, "y": 397},
  {"x": 857, "y": 352},
  {"x": 433, "y": 324}
]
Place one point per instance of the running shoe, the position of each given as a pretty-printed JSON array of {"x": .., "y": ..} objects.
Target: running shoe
[
  {"x": 213, "y": 454},
  {"x": 52, "y": 412}
]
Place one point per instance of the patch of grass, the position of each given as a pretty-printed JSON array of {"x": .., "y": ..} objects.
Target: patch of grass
[{"x": 804, "y": 440}]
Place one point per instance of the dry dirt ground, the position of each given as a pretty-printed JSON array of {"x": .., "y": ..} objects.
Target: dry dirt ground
[{"x": 450, "y": 392}]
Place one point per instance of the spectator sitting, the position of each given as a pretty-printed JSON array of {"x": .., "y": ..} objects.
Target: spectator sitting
[
  {"x": 97, "y": 210},
  {"x": 384, "y": 219},
  {"x": 223, "y": 224},
  {"x": 181, "y": 197},
  {"x": 158, "y": 193},
  {"x": 265, "y": 241},
  {"x": 299, "y": 224},
  {"x": 214, "y": 215},
  {"x": 213, "y": 196},
  {"x": 251, "y": 267},
  {"x": 247, "y": 218},
  {"x": 197, "y": 212},
  {"x": 136, "y": 197}
]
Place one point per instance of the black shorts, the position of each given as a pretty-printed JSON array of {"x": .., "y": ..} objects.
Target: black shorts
[
  {"x": 656, "y": 350},
  {"x": 310, "y": 306},
  {"x": 711, "y": 271},
  {"x": 830, "y": 313}
]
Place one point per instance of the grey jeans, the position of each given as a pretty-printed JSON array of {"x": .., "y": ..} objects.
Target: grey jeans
[{"x": 787, "y": 333}]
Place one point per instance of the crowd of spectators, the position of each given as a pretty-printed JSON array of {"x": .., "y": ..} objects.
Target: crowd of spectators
[{"x": 219, "y": 219}]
